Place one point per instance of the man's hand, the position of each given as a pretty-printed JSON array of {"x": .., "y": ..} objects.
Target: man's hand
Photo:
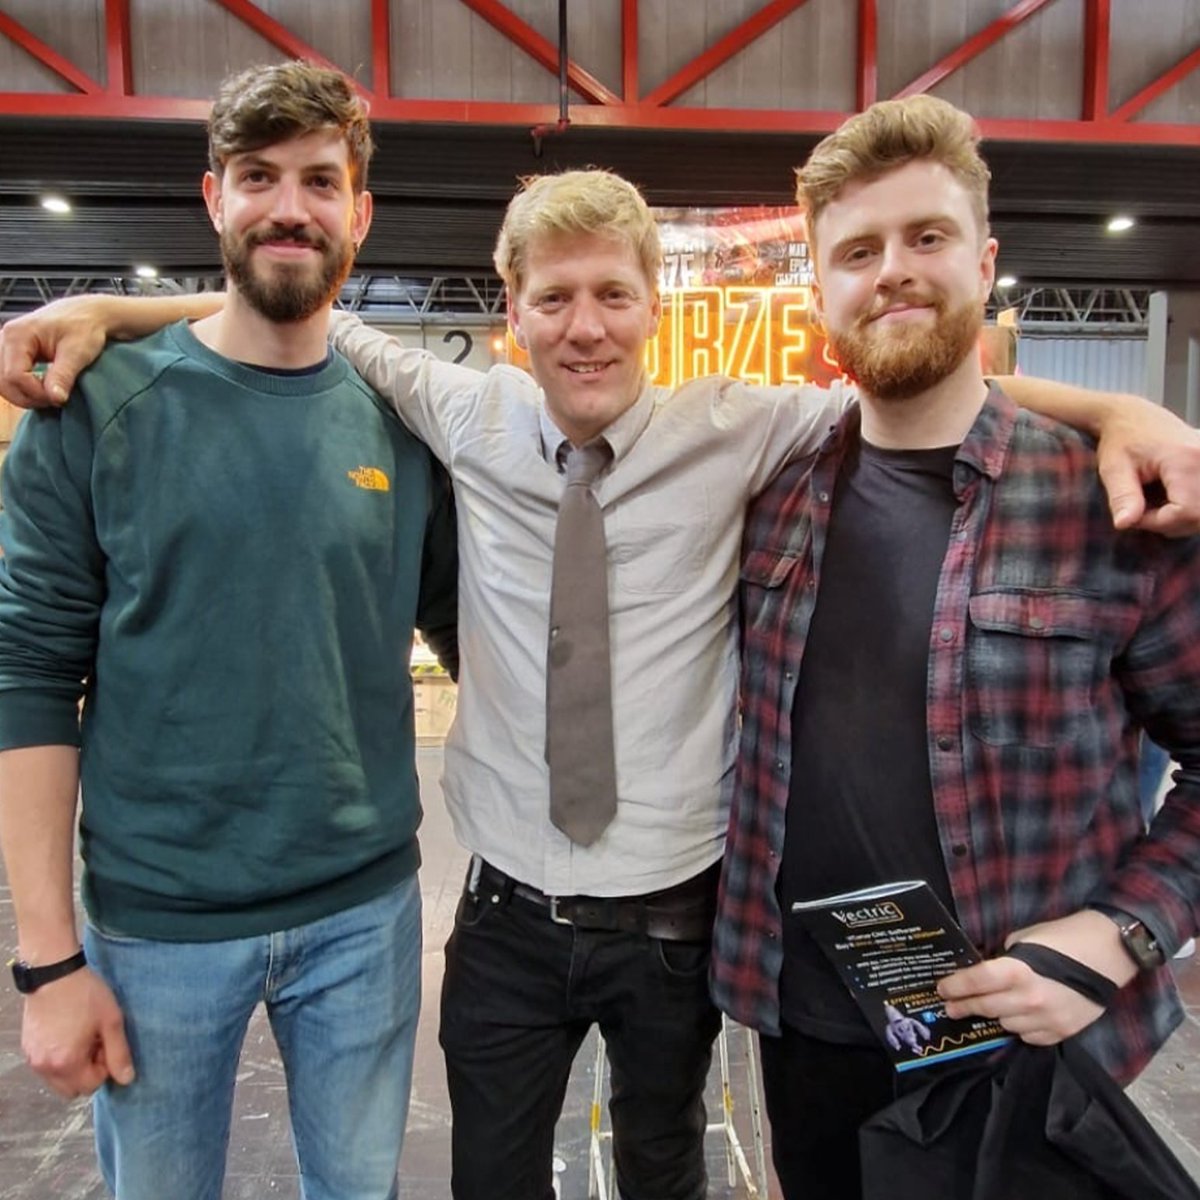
[
  {"x": 1144, "y": 444},
  {"x": 69, "y": 334},
  {"x": 1037, "y": 1009},
  {"x": 73, "y": 1035}
]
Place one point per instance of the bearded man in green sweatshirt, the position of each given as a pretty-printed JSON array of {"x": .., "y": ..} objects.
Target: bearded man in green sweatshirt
[{"x": 222, "y": 546}]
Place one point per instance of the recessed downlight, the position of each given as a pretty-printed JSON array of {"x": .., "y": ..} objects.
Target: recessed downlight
[
  {"x": 1006, "y": 281},
  {"x": 146, "y": 272},
  {"x": 56, "y": 204},
  {"x": 1120, "y": 223}
]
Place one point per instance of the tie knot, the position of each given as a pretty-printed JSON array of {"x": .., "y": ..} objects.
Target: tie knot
[{"x": 584, "y": 463}]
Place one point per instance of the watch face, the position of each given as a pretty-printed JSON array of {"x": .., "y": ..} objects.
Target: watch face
[
  {"x": 22, "y": 977},
  {"x": 1142, "y": 945}
]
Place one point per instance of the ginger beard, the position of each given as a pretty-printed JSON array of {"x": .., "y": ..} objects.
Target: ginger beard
[
  {"x": 287, "y": 292},
  {"x": 901, "y": 360}
]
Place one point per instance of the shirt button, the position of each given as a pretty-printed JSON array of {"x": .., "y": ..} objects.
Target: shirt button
[
  {"x": 1036, "y": 623},
  {"x": 779, "y": 764},
  {"x": 945, "y": 742},
  {"x": 788, "y": 676},
  {"x": 959, "y": 849},
  {"x": 772, "y": 935},
  {"x": 554, "y": 631},
  {"x": 812, "y": 583},
  {"x": 823, "y": 497},
  {"x": 946, "y": 633}
]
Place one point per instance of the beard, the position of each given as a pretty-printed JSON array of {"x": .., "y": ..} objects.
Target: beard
[
  {"x": 900, "y": 363},
  {"x": 286, "y": 292}
]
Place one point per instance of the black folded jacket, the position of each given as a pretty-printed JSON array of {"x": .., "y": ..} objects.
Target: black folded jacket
[{"x": 1029, "y": 1123}]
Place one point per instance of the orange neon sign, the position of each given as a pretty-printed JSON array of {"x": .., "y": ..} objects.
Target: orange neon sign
[
  {"x": 762, "y": 335},
  {"x": 736, "y": 300}
]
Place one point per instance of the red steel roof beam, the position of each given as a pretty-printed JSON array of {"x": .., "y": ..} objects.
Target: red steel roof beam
[
  {"x": 732, "y": 43},
  {"x": 600, "y": 116},
  {"x": 524, "y": 36},
  {"x": 1152, "y": 91},
  {"x": 47, "y": 56},
  {"x": 278, "y": 35},
  {"x": 1096, "y": 48},
  {"x": 629, "y": 51},
  {"x": 972, "y": 47},
  {"x": 867, "y": 67},
  {"x": 117, "y": 41},
  {"x": 381, "y": 48}
]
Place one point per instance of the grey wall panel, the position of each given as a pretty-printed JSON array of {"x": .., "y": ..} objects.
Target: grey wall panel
[
  {"x": 185, "y": 48},
  {"x": 1148, "y": 38},
  {"x": 1036, "y": 70},
  {"x": 443, "y": 51},
  {"x": 593, "y": 33},
  {"x": 1113, "y": 364},
  {"x": 74, "y": 28},
  {"x": 806, "y": 61},
  {"x": 471, "y": 344}
]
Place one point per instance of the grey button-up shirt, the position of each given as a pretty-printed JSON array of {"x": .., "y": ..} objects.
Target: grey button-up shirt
[{"x": 685, "y": 462}]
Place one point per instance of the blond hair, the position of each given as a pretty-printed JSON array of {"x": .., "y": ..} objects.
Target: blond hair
[
  {"x": 264, "y": 105},
  {"x": 592, "y": 201},
  {"x": 889, "y": 135}
]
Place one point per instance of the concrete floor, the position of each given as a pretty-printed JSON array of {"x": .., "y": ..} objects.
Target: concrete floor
[{"x": 46, "y": 1149}]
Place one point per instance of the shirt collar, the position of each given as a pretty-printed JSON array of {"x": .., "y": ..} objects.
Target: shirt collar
[
  {"x": 986, "y": 445},
  {"x": 621, "y": 435},
  {"x": 984, "y": 448}
]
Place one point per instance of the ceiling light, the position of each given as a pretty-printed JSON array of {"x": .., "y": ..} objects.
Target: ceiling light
[
  {"x": 56, "y": 204},
  {"x": 1006, "y": 281},
  {"x": 1120, "y": 224},
  {"x": 145, "y": 272}
]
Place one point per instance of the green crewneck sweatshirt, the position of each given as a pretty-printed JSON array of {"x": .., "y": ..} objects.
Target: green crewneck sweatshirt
[{"x": 227, "y": 565}]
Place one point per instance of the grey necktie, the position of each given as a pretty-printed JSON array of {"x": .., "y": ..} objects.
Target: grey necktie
[{"x": 579, "y": 713}]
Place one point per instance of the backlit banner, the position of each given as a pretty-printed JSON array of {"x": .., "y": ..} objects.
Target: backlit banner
[{"x": 737, "y": 299}]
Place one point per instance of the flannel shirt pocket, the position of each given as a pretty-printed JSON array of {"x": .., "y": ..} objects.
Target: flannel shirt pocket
[
  {"x": 1036, "y": 661},
  {"x": 765, "y": 599}
]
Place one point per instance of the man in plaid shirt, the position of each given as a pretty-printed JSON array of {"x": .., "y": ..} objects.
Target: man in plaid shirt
[{"x": 948, "y": 654}]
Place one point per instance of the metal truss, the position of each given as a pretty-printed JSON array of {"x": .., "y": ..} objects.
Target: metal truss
[
  {"x": 442, "y": 299},
  {"x": 396, "y": 299},
  {"x": 586, "y": 101},
  {"x": 1077, "y": 310}
]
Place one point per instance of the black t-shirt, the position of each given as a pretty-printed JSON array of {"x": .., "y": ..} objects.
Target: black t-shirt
[{"x": 860, "y": 808}]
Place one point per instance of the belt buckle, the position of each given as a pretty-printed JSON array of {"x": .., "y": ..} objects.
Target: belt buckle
[{"x": 554, "y": 914}]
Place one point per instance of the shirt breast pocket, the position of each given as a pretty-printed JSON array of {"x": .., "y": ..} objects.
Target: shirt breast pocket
[
  {"x": 1037, "y": 661},
  {"x": 764, "y": 578},
  {"x": 661, "y": 540}
]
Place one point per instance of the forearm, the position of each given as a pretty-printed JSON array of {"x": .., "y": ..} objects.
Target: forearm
[
  {"x": 39, "y": 788},
  {"x": 128, "y": 317},
  {"x": 1079, "y": 407}
]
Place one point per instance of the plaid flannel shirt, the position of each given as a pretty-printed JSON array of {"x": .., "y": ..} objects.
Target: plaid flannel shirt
[{"x": 1053, "y": 640}]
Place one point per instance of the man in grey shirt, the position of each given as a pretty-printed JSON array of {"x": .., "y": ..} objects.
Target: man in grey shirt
[{"x": 552, "y": 936}]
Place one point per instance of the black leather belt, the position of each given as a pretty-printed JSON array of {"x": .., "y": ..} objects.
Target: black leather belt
[{"x": 683, "y": 913}]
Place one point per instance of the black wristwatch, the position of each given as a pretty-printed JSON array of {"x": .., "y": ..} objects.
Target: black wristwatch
[
  {"x": 28, "y": 979},
  {"x": 1140, "y": 944}
]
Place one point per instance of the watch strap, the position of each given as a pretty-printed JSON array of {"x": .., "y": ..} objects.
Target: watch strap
[
  {"x": 1140, "y": 944},
  {"x": 1062, "y": 968},
  {"x": 28, "y": 978}
]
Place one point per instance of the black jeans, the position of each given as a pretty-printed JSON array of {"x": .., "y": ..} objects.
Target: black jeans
[
  {"x": 818, "y": 1094},
  {"x": 519, "y": 995}
]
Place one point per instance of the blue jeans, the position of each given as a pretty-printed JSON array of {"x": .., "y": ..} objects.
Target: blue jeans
[{"x": 342, "y": 995}]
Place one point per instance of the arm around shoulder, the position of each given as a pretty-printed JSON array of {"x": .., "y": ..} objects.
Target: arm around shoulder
[
  {"x": 69, "y": 335},
  {"x": 1140, "y": 446}
]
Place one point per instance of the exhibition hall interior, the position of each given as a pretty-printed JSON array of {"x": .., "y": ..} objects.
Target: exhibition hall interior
[{"x": 1089, "y": 112}]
